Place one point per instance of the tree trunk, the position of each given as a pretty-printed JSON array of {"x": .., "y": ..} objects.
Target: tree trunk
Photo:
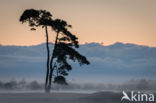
[
  {"x": 47, "y": 74},
  {"x": 51, "y": 63}
]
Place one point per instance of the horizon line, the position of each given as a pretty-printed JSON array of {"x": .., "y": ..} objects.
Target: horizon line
[{"x": 100, "y": 43}]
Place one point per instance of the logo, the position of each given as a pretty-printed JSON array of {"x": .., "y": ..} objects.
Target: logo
[{"x": 138, "y": 96}]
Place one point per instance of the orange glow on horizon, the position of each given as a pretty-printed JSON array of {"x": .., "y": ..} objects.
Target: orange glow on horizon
[{"x": 104, "y": 21}]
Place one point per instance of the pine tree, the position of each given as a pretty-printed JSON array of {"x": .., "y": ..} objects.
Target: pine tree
[
  {"x": 36, "y": 18},
  {"x": 64, "y": 46},
  {"x": 63, "y": 50}
]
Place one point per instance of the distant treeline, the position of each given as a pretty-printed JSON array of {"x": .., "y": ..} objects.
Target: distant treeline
[
  {"x": 20, "y": 85},
  {"x": 133, "y": 84}
]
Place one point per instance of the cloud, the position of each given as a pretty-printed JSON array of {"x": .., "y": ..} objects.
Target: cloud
[{"x": 115, "y": 60}]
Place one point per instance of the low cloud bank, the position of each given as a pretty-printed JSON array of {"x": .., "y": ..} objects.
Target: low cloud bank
[{"x": 133, "y": 84}]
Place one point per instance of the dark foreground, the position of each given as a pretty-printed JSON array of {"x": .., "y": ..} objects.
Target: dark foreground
[{"x": 102, "y": 97}]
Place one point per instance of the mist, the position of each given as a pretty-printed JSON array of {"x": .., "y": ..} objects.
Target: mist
[{"x": 132, "y": 84}]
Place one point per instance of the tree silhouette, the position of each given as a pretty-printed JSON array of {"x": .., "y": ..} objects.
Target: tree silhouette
[
  {"x": 37, "y": 18},
  {"x": 63, "y": 50},
  {"x": 65, "y": 43}
]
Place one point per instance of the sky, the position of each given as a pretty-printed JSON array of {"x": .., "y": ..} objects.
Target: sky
[{"x": 102, "y": 21}]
